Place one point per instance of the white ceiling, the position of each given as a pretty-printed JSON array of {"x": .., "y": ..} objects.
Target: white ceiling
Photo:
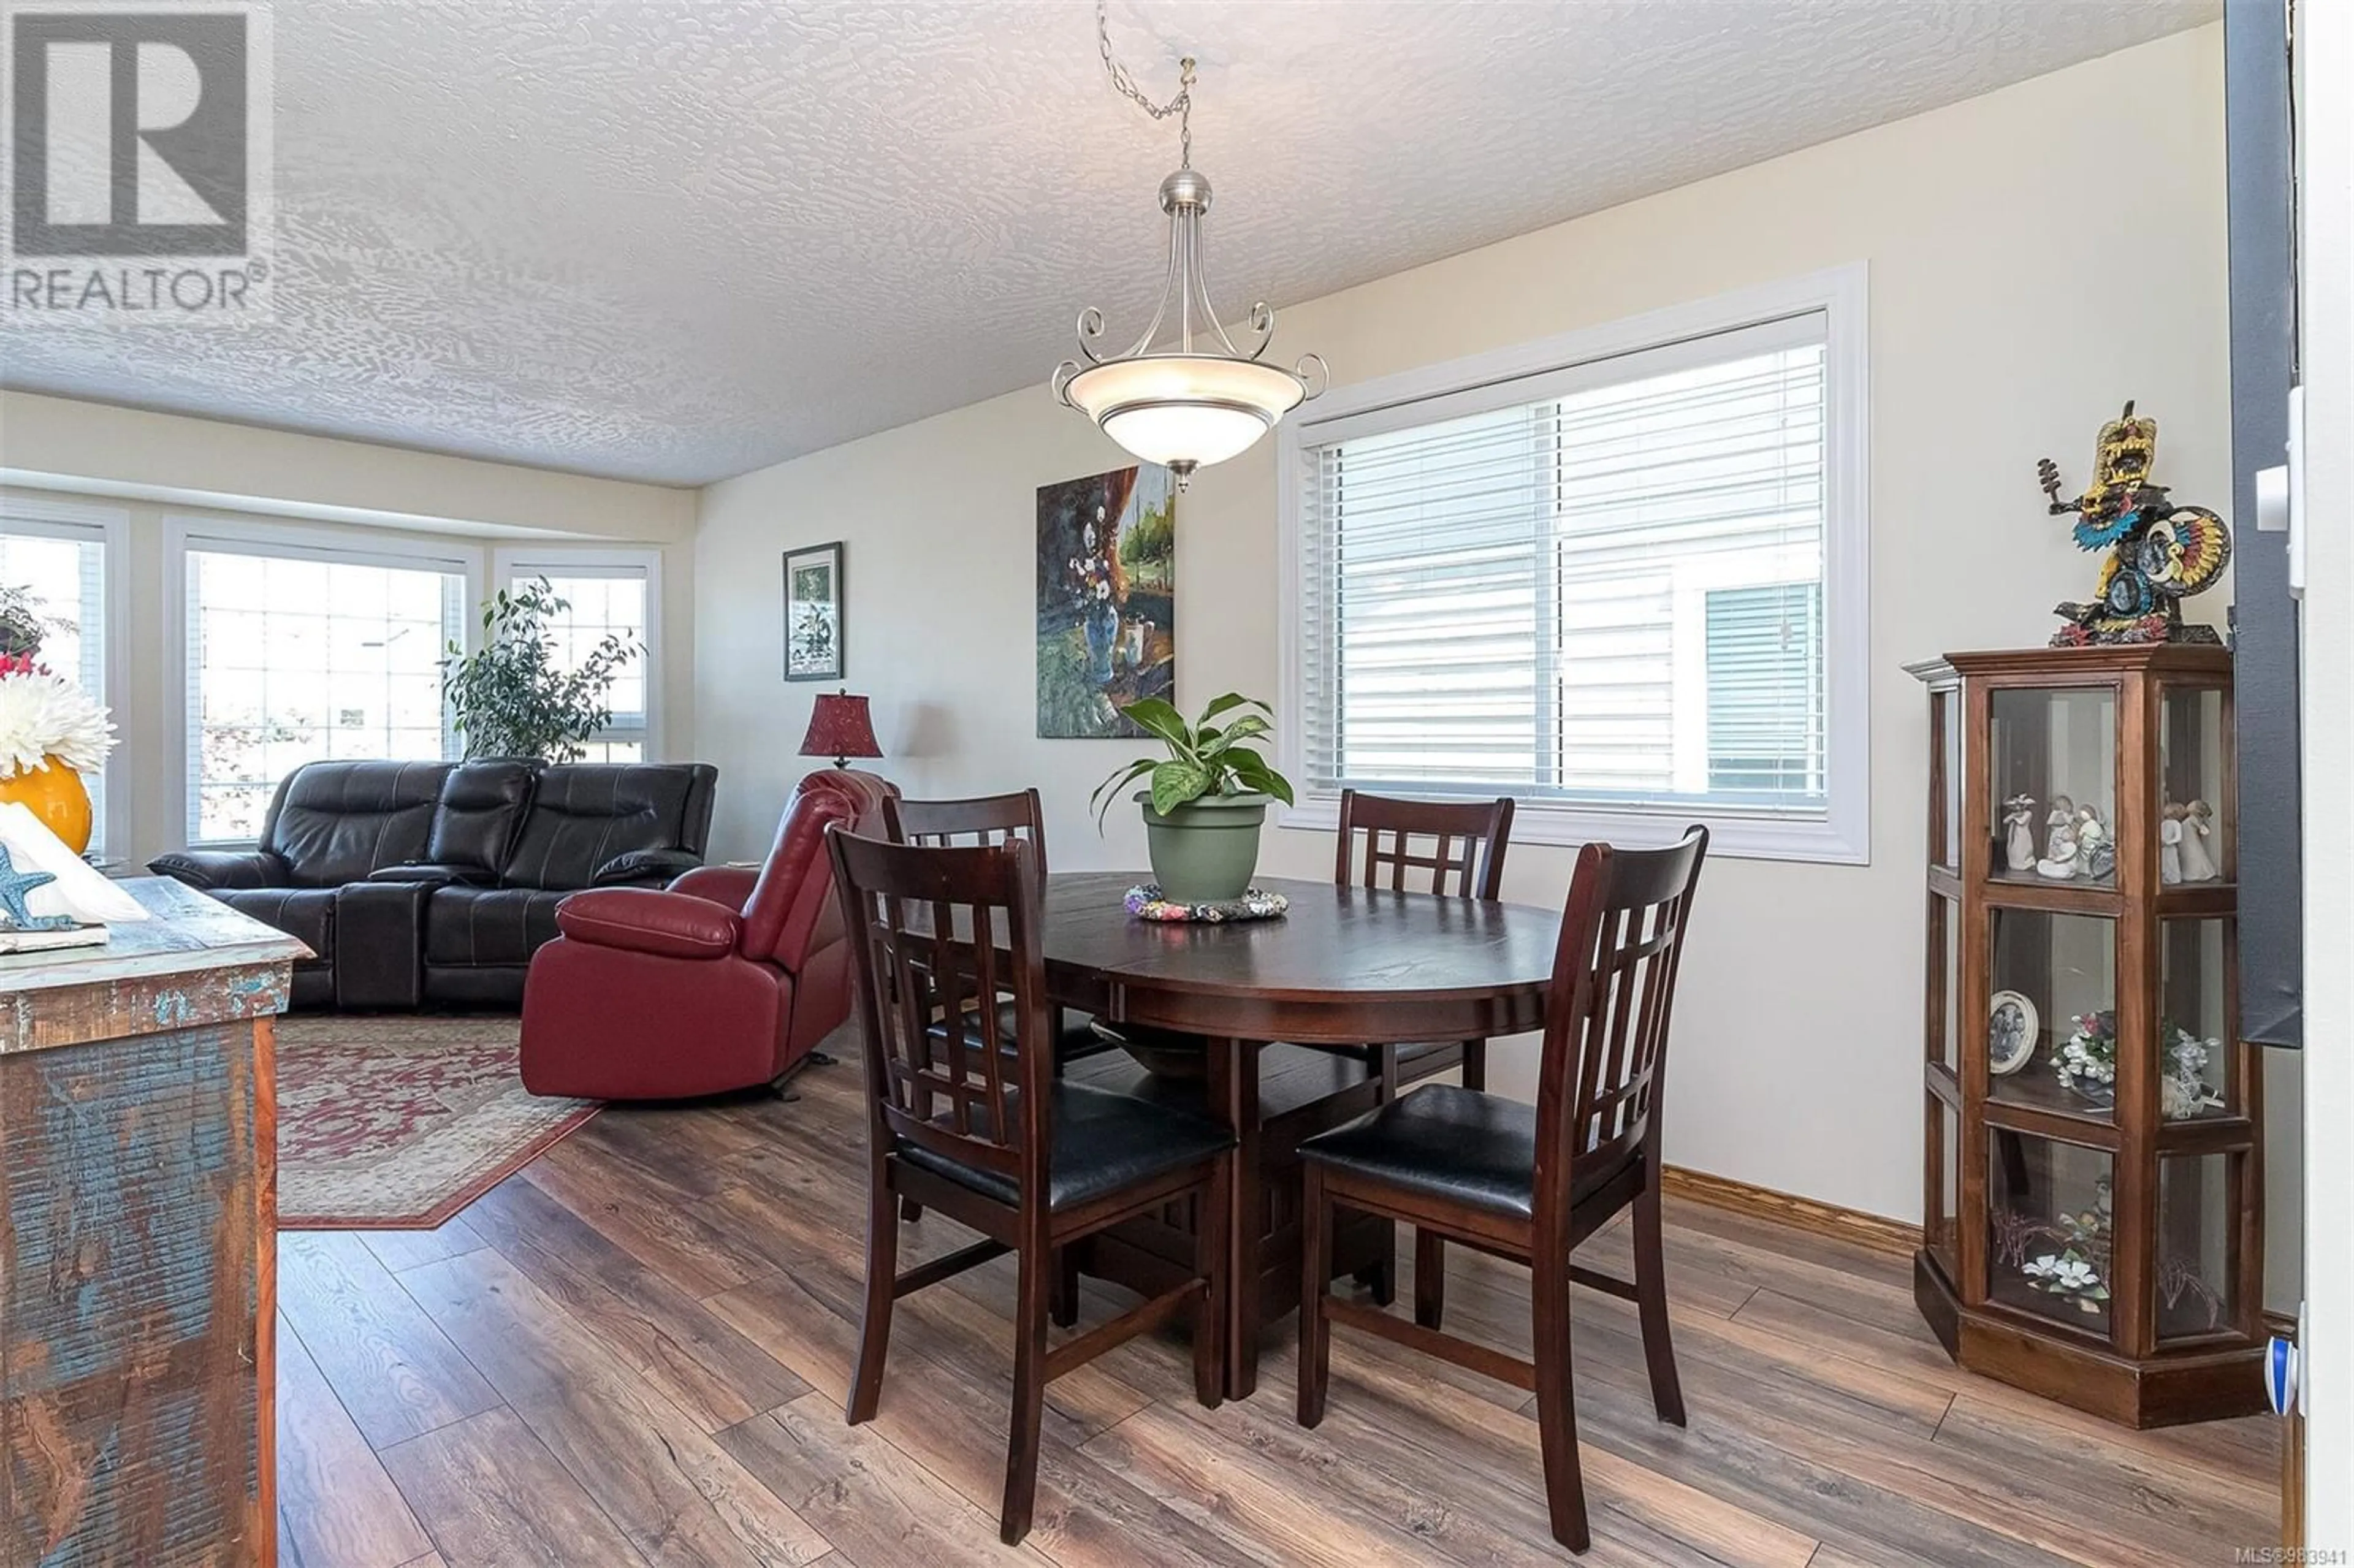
[{"x": 676, "y": 239}]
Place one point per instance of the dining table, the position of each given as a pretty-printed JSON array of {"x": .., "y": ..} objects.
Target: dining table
[{"x": 1344, "y": 966}]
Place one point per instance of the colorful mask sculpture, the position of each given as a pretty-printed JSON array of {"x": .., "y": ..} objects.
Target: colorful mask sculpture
[{"x": 2159, "y": 554}]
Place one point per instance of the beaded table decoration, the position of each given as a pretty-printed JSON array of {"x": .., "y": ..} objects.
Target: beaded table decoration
[{"x": 1144, "y": 902}]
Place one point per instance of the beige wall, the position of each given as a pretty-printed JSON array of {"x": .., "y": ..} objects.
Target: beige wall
[
  {"x": 153, "y": 467},
  {"x": 2033, "y": 261}
]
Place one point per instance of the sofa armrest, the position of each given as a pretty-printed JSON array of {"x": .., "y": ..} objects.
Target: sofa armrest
[
  {"x": 214, "y": 870},
  {"x": 422, "y": 871},
  {"x": 645, "y": 920},
  {"x": 657, "y": 867},
  {"x": 729, "y": 884}
]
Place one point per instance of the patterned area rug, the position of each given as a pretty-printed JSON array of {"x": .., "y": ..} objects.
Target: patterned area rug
[{"x": 397, "y": 1123}]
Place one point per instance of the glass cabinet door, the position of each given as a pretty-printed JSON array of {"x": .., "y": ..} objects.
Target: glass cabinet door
[
  {"x": 1945, "y": 1131},
  {"x": 2194, "y": 828},
  {"x": 2198, "y": 1225},
  {"x": 2194, "y": 1076},
  {"x": 1945, "y": 767},
  {"x": 2052, "y": 1016},
  {"x": 2049, "y": 1224},
  {"x": 2053, "y": 754}
]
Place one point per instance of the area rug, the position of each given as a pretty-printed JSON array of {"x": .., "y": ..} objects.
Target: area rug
[{"x": 397, "y": 1123}]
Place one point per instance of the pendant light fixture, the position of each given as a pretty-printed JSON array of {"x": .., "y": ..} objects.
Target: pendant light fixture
[{"x": 1198, "y": 400}]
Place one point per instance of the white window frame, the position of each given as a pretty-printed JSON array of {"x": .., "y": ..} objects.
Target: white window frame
[
  {"x": 183, "y": 534},
  {"x": 109, "y": 528},
  {"x": 1483, "y": 382},
  {"x": 512, "y": 566}
]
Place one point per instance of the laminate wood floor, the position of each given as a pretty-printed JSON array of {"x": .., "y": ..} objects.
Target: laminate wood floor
[{"x": 635, "y": 1353}]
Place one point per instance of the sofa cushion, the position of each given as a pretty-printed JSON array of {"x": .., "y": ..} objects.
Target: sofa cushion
[
  {"x": 478, "y": 925},
  {"x": 480, "y": 811},
  {"x": 337, "y": 821},
  {"x": 583, "y": 815},
  {"x": 305, "y": 914}
]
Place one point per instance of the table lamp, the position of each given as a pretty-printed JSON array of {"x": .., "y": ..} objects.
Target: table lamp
[{"x": 839, "y": 728}]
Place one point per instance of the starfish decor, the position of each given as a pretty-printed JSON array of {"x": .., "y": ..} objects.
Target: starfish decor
[{"x": 14, "y": 886}]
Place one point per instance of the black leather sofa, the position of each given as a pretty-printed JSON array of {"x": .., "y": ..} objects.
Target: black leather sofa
[{"x": 433, "y": 883}]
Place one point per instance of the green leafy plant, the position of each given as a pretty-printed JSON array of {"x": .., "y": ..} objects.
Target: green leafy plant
[
  {"x": 1204, "y": 758},
  {"x": 22, "y": 624},
  {"x": 510, "y": 697}
]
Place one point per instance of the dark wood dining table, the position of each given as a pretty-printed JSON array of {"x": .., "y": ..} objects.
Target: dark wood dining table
[{"x": 1346, "y": 965}]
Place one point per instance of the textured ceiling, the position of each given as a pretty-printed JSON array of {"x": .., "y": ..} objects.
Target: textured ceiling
[{"x": 677, "y": 240}]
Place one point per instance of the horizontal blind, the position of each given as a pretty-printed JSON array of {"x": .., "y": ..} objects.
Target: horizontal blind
[{"x": 1518, "y": 599}]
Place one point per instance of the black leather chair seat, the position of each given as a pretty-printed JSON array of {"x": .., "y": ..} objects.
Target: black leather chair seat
[
  {"x": 1448, "y": 1142},
  {"x": 1077, "y": 1038},
  {"x": 482, "y": 927},
  {"x": 1102, "y": 1142}
]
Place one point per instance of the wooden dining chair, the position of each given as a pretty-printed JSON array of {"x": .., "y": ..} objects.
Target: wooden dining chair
[
  {"x": 988, "y": 820},
  {"x": 1424, "y": 846},
  {"x": 986, "y": 1133},
  {"x": 1530, "y": 1182}
]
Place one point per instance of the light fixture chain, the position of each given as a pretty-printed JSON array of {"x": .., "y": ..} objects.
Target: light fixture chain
[{"x": 1180, "y": 106}]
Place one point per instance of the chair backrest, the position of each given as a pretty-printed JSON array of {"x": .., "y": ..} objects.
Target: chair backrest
[
  {"x": 335, "y": 822},
  {"x": 1614, "y": 987},
  {"x": 942, "y": 933},
  {"x": 1470, "y": 838},
  {"x": 791, "y": 910},
  {"x": 983, "y": 819}
]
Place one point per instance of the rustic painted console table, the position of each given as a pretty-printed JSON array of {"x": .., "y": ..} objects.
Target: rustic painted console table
[{"x": 138, "y": 1188}]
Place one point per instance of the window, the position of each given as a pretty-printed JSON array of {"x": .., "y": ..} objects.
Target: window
[
  {"x": 609, "y": 593},
  {"x": 298, "y": 653},
  {"x": 1618, "y": 576},
  {"x": 63, "y": 563}
]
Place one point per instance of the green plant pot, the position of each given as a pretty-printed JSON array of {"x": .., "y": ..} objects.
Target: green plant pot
[{"x": 1204, "y": 852}]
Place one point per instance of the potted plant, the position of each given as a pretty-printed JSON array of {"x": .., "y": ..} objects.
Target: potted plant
[
  {"x": 511, "y": 697},
  {"x": 1207, "y": 800}
]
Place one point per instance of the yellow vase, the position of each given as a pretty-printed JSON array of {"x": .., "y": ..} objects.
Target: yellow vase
[{"x": 56, "y": 794}]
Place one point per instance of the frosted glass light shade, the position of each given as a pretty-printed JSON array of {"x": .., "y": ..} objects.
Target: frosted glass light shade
[{"x": 1185, "y": 410}]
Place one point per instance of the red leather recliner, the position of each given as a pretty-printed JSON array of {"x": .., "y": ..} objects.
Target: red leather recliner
[{"x": 725, "y": 980}]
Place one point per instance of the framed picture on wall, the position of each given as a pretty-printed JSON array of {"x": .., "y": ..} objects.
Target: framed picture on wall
[{"x": 813, "y": 630}]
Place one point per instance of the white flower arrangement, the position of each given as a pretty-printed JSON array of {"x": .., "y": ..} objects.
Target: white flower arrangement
[
  {"x": 43, "y": 714},
  {"x": 2070, "y": 1274}
]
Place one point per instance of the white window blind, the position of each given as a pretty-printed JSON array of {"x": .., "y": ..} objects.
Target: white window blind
[
  {"x": 63, "y": 566},
  {"x": 1607, "y": 591},
  {"x": 299, "y": 654}
]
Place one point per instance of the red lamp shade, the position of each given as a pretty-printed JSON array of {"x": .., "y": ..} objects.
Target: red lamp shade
[{"x": 839, "y": 728}]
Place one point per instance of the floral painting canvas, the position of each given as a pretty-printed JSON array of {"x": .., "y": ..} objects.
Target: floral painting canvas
[
  {"x": 1106, "y": 599},
  {"x": 813, "y": 630}
]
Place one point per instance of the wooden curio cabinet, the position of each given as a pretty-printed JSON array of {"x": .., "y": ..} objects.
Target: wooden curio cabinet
[{"x": 2091, "y": 1218}]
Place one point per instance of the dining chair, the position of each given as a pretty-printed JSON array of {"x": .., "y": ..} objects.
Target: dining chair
[
  {"x": 987, "y": 820},
  {"x": 1424, "y": 846},
  {"x": 986, "y": 1134},
  {"x": 1530, "y": 1182}
]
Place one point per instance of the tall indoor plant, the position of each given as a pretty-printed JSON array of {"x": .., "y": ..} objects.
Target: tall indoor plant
[
  {"x": 510, "y": 697},
  {"x": 1208, "y": 796}
]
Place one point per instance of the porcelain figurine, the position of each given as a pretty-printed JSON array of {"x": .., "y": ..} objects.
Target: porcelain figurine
[
  {"x": 2018, "y": 849},
  {"x": 2198, "y": 860},
  {"x": 2059, "y": 861},
  {"x": 2096, "y": 851},
  {"x": 2169, "y": 846}
]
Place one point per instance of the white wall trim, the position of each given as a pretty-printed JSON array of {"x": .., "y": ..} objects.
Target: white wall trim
[
  {"x": 182, "y": 533},
  {"x": 1842, "y": 294},
  {"x": 76, "y": 519},
  {"x": 522, "y": 561}
]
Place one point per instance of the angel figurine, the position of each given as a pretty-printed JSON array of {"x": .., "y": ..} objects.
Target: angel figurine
[
  {"x": 2019, "y": 848},
  {"x": 2097, "y": 852},
  {"x": 2170, "y": 845},
  {"x": 2198, "y": 860},
  {"x": 2059, "y": 861}
]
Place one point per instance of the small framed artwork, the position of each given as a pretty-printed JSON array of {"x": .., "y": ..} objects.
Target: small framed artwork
[{"x": 813, "y": 630}]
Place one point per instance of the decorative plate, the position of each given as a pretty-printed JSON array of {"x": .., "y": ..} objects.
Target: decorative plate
[
  {"x": 1144, "y": 902},
  {"x": 2011, "y": 1025}
]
